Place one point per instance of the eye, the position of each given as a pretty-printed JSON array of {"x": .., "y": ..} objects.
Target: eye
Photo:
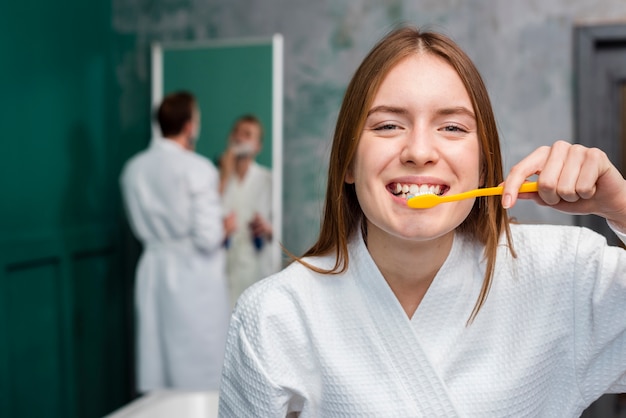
[
  {"x": 386, "y": 127},
  {"x": 454, "y": 128}
]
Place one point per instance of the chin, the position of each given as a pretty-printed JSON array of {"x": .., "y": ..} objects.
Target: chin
[{"x": 415, "y": 233}]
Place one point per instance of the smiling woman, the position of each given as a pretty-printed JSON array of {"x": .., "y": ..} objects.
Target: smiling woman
[
  {"x": 413, "y": 137},
  {"x": 403, "y": 312},
  {"x": 433, "y": 110}
]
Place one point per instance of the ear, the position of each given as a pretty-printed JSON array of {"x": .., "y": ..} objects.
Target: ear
[
  {"x": 349, "y": 178},
  {"x": 187, "y": 128}
]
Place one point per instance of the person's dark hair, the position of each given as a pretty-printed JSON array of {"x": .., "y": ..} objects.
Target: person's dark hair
[
  {"x": 175, "y": 111},
  {"x": 343, "y": 216}
]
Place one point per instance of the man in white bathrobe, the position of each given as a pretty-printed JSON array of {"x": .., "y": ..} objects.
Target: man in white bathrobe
[
  {"x": 247, "y": 193},
  {"x": 174, "y": 209}
]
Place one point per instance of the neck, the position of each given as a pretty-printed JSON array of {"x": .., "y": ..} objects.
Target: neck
[
  {"x": 182, "y": 140},
  {"x": 242, "y": 166},
  {"x": 408, "y": 267}
]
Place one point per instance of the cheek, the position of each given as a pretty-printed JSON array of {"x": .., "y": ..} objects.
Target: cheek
[
  {"x": 470, "y": 161},
  {"x": 355, "y": 173},
  {"x": 370, "y": 160}
]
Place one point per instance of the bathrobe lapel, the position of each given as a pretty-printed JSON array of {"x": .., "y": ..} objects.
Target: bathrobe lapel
[{"x": 410, "y": 361}]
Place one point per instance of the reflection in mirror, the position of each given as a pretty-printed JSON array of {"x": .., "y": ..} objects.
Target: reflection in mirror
[
  {"x": 230, "y": 79},
  {"x": 246, "y": 193}
]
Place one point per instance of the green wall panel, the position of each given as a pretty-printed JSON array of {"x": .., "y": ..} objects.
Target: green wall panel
[
  {"x": 37, "y": 385},
  {"x": 65, "y": 320},
  {"x": 99, "y": 349},
  {"x": 55, "y": 76}
]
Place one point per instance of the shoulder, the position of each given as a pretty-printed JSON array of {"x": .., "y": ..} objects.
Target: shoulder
[
  {"x": 546, "y": 237},
  {"x": 549, "y": 261},
  {"x": 288, "y": 283},
  {"x": 556, "y": 247},
  {"x": 197, "y": 169},
  {"x": 262, "y": 171},
  {"x": 168, "y": 150},
  {"x": 281, "y": 295},
  {"x": 535, "y": 231},
  {"x": 198, "y": 161},
  {"x": 133, "y": 164}
]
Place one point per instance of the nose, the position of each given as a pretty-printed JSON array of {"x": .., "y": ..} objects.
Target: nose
[{"x": 419, "y": 148}]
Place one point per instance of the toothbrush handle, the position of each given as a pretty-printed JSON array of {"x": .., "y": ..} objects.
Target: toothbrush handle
[{"x": 492, "y": 191}]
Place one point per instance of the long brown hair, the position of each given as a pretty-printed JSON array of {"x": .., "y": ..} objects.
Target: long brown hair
[{"x": 343, "y": 215}]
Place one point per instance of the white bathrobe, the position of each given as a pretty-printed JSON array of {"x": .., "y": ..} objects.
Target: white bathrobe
[
  {"x": 181, "y": 295},
  {"x": 550, "y": 339},
  {"x": 246, "y": 264}
]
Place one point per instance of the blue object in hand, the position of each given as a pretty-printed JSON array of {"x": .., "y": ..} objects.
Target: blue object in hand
[{"x": 258, "y": 243}]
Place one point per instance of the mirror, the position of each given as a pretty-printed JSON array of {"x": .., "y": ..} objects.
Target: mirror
[{"x": 230, "y": 78}]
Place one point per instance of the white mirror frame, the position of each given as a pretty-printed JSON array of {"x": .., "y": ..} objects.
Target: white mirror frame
[{"x": 277, "y": 116}]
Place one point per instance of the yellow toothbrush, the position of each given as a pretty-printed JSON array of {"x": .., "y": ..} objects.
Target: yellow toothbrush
[{"x": 426, "y": 201}]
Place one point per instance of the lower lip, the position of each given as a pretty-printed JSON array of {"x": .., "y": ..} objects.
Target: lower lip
[{"x": 399, "y": 199}]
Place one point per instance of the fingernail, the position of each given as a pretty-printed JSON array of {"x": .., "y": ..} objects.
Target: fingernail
[{"x": 506, "y": 201}]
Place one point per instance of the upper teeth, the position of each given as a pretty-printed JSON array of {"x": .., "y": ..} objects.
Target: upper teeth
[{"x": 416, "y": 189}]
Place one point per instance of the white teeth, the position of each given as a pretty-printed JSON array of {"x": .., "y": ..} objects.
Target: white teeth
[{"x": 410, "y": 190}]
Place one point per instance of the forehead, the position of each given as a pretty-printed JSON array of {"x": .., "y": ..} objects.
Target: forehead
[
  {"x": 424, "y": 78},
  {"x": 247, "y": 126}
]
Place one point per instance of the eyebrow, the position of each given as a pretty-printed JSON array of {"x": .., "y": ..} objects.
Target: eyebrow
[
  {"x": 402, "y": 111},
  {"x": 456, "y": 111},
  {"x": 388, "y": 109}
]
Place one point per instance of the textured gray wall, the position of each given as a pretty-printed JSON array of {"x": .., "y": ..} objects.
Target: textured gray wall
[{"x": 522, "y": 47}]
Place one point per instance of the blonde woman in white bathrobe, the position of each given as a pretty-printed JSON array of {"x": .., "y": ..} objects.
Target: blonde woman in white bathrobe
[
  {"x": 449, "y": 311},
  {"x": 247, "y": 196},
  {"x": 182, "y": 304}
]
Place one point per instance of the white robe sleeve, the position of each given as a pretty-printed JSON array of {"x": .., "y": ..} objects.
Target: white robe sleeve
[
  {"x": 246, "y": 389},
  {"x": 621, "y": 235},
  {"x": 268, "y": 264},
  {"x": 600, "y": 316},
  {"x": 206, "y": 210}
]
